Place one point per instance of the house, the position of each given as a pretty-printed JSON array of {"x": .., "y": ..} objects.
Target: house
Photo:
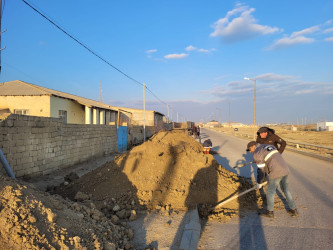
[
  {"x": 28, "y": 99},
  {"x": 212, "y": 124},
  {"x": 136, "y": 116},
  {"x": 24, "y": 98},
  {"x": 324, "y": 126}
]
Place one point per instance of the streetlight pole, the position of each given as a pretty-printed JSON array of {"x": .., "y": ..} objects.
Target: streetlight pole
[
  {"x": 229, "y": 115},
  {"x": 144, "y": 112},
  {"x": 219, "y": 115},
  {"x": 254, "y": 113}
]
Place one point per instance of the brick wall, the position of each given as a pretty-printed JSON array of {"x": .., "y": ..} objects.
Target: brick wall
[{"x": 39, "y": 145}]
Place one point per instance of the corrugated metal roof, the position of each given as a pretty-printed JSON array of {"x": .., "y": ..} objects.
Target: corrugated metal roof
[{"x": 20, "y": 88}]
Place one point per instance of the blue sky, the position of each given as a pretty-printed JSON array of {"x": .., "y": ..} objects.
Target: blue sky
[{"x": 193, "y": 55}]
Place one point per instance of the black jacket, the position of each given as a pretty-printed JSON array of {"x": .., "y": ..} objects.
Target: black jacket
[{"x": 272, "y": 139}]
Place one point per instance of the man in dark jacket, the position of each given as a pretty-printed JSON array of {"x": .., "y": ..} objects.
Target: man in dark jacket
[
  {"x": 207, "y": 143},
  {"x": 267, "y": 136},
  {"x": 270, "y": 161}
]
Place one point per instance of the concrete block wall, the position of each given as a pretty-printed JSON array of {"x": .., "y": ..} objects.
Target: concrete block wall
[
  {"x": 39, "y": 145},
  {"x": 135, "y": 133}
]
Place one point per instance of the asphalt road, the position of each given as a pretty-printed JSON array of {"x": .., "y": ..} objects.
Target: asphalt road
[{"x": 311, "y": 184}]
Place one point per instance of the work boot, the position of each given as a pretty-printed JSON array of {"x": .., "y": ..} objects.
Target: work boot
[
  {"x": 267, "y": 213},
  {"x": 293, "y": 212}
]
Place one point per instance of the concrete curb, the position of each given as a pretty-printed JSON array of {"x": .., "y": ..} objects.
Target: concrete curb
[{"x": 191, "y": 233}]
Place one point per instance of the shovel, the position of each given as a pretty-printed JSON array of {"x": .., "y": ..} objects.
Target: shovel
[
  {"x": 221, "y": 203},
  {"x": 243, "y": 165}
]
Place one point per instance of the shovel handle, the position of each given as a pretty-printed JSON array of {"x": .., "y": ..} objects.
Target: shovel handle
[{"x": 220, "y": 204}]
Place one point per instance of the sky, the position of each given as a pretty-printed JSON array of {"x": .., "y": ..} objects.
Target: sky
[{"x": 193, "y": 55}]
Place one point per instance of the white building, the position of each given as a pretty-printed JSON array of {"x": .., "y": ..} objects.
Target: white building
[{"x": 324, "y": 126}]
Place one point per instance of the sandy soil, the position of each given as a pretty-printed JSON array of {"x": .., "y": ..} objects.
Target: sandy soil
[
  {"x": 31, "y": 219},
  {"x": 168, "y": 172},
  {"x": 166, "y": 175}
]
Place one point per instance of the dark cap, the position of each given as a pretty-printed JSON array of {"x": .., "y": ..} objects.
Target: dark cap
[
  {"x": 250, "y": 144},
  {"x": 262, "y": 130}
]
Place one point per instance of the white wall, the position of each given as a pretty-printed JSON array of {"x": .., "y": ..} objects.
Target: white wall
[{"x": 75, "y": 111}]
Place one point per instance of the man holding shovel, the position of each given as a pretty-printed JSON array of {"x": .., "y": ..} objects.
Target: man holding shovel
[{"x": 270, "y": 161}]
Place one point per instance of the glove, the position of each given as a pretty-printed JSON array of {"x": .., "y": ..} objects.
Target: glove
[{"x": 259, "y": 185}]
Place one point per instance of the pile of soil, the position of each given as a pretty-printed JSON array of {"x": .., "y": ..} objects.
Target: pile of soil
[
  {"x": 30, "y": 219},
  {"x": 170, "y": 173}
]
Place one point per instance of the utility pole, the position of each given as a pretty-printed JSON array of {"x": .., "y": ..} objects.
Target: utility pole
[
  {"x": 100, "y": 91},
  {"x": 219, "y": 114},
  {"x": 0, "y": 31},
  {"x": 144, "y": 112},
  {"x": 229, "y": 114},
  {"x": 254, "y": 113},
  {"x": 168, "y": 113}
]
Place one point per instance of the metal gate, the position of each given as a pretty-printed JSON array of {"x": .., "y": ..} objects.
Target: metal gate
[{"x": 122, "y": 138}]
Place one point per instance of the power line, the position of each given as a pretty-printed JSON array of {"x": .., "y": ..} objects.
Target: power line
[
  {"x": 83, "y": 45},
  {"x": 156, "y": 96},
  {"x": 91, "y": 51},
  {"x": 3, "y": 8}
]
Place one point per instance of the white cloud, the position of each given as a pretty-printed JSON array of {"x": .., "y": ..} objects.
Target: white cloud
[
  {"x": 218, "y": 78},
  {"x": 305, "y": 31},
  {"x": 190, "y": 48},
  {"x": 234, "y": 89},
  {"x": 270, "y": 85},
  {"x": 329, "y": 30},
  {"x": 151, "y": 51},
  {"x": 206, "y": 50},
  {"x": 305, "y": 91},
  {"x": 329, "y": 39},
  {"x": 176, "y": 56},
  {"x": 272, "y": 77},
  {"x": 301, "y": 37},
  {"x": 290, "y": 41},
  {"x": 239, "y": 24}
]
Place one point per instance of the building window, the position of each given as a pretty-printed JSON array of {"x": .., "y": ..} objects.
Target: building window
[
  {"x": 21, "y": 111},
  {"x": 63, "y": 114}
]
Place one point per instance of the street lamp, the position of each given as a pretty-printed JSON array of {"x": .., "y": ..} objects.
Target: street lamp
[{"x": 254, "y": 113}]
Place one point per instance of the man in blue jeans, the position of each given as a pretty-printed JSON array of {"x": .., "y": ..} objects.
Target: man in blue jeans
[{"x": 270, "y": 161}]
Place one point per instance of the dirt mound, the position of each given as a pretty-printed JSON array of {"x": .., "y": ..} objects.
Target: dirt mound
[
  {"x": 168, "y": 172},
  {"x": 30, "y": 219}
]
